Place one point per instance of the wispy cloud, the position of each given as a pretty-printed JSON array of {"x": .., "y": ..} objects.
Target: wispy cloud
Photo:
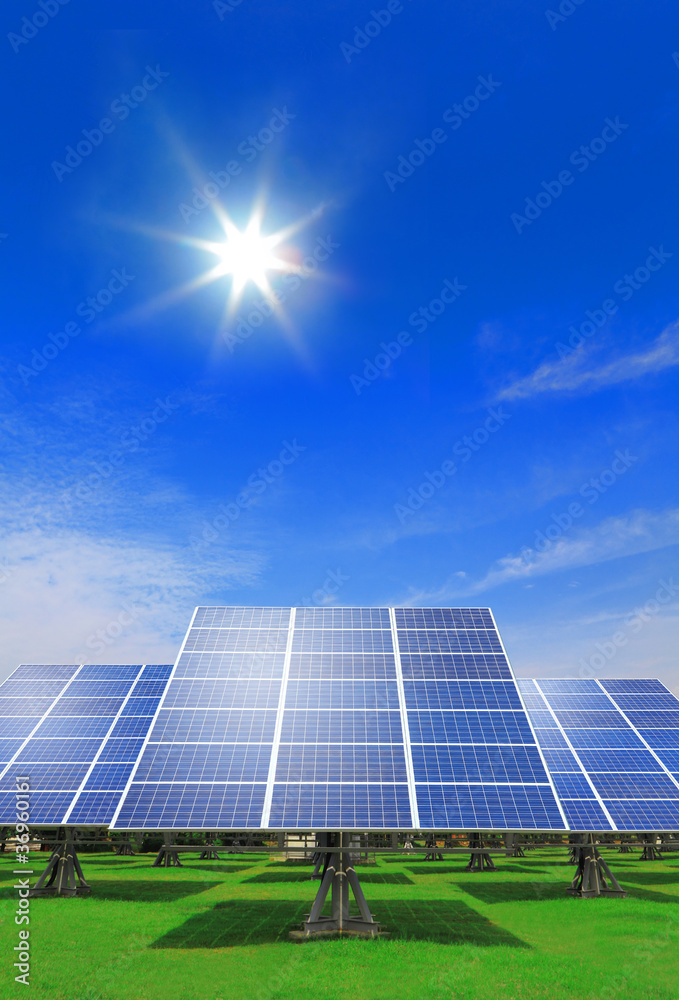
[
  {"x": 105, "y": 575},
  {"x": 576, "y": 373},
  {"x": 639, "y": 531}
]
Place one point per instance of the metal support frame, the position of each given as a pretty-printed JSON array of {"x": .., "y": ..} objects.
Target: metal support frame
[
  {"x": 650, "y": 851},
  {"x": 125, "y": 850},
  {"x": 480, "y": 860},
  {"x": 209, "y": 854},
  {"x": 63, "y": 875},
  {"x": 338, "y": 878},
  {"x": 167, "y": 856},
  {"x": 512, "y": 846},
  {"x": 434, "y": 853},
  {"x": 593, "y": 877}
]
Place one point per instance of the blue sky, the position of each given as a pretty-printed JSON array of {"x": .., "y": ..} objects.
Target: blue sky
[{"x": 489, "y": 190}]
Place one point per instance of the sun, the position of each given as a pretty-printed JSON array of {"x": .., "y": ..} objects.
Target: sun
[{"x": 247, "y": 256}]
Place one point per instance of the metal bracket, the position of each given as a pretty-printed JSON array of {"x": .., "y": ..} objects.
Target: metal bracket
[
  {"x": 593, "y": 877},
  {"x": 167, "y": 856},
  {"x": 480, "y": 861},
  {"x": 63, "y": 875},
  {"x": 338, "y": 878}
]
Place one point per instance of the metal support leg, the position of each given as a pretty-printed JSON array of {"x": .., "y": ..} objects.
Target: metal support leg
[
  {"x": 166, "y": 857},
  {"x": 338, "y": 878},
  {"x": 63, "y": 875},
  {"x": 650, "y": 851},
  {"x": 125, "y": 850},
  {"x": 479, "y": 861},
  {"x": 209, "y": 854},
  {"x": 593, "y": 877},
  {"x": 513, "y": 847}
]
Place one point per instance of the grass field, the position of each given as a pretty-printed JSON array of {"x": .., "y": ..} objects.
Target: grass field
[{"x": 219, "y": 931}]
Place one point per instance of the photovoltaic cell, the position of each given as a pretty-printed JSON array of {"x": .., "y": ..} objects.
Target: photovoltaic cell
[
  {"x": 615, "y": 759},
  {"x": 68, "y": 755}
]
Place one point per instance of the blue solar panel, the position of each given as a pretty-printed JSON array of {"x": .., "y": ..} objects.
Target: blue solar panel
[
  {"x": 461, "y": 694},
  {"x": 473, "y": 807},
  {"x": 612, "y": 761},
  {"x": 339, "y": 806},
  {"x": 65, "y": 753},
  {"x": 319, "y": 697},
  {"x": 631, "y": 685},
  {"x": 329, "y": 718},
  {"x": 185, "y": 806}
]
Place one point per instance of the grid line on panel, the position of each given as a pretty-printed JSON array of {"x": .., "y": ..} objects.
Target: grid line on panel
[
  {"x": 634, "y": 728},
  {"x": 577, "y": 758},
  {"x": 410, "y": 770},
  {"x": 103, "y": 743},
  {"x": 273, "y": 763},
  {"x": 40, "y": 721},
  {"x": 530, "y": 723},
  {"x": 126, "y": 789}
]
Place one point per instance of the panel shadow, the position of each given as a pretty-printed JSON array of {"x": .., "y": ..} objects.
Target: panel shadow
[
  {"x": 239, "y": 922},
  {"x": 149, "y": 891},
  {"x": 513, "y": 892},
  {"x": 368, "y": 878}
]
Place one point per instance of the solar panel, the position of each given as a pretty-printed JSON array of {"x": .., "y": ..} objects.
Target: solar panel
[
  {"x": 612, "y": 755},
  {"x": 74, "y": 749},
  {"x": 341, "y": 718}
]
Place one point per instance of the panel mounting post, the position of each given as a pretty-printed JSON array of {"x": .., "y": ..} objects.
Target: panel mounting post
[
  {"x": 167, "y": 857},
  {"x": 339, "y": 877},
  {"x": 593, "y": 877},
  {"x": 480, "y": 860},
  {"x": 63, "y": 875}
]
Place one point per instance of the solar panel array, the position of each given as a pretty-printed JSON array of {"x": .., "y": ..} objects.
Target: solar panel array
[
  {"x": 338, "y": 718},
  {"x": 612, "y": 747},
  {"x": 75, "y": 732},
  {"x": 351, "y": 718}
]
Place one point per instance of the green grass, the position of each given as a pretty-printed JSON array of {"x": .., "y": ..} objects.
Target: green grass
[{"x": 219, "y": 931}]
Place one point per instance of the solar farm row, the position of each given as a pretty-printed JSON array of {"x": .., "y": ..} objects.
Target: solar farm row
[{"x": 356, "y": 718}]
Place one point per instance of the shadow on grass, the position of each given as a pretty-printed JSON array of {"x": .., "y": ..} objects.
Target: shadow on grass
[
  {"x": 646, "y": 877},
  {"x": 435, "y": 869},
  {"x": 513, "y": 892},
  {"x": 217, "y": 867},
  {"x": 368, "y": 878},
  {"x": 261, "y": 922},
  {"x": 149, "y": 891}
]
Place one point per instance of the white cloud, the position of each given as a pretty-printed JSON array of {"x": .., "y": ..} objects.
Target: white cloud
[
  {"x": 574, "y": 373},
  {"x": 639, "y": 531},
  {"x": 120, "y": 559},
  {"x": 616, "y": 537}
]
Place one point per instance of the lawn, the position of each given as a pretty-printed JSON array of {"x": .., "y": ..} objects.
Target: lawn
[{"x": 219, "y": 931}]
